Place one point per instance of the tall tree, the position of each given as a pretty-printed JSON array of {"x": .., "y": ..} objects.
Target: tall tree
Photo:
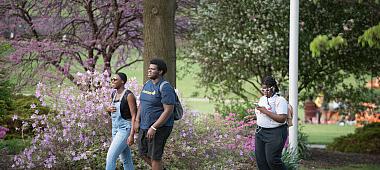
[
  {"x": 159, "y": 39},
  {"x": 50, "y": 37},
  {"x": 240, "y": 41}
]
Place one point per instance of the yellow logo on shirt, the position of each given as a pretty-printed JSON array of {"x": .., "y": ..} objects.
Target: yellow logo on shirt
[{"x": 149, "y": 92}]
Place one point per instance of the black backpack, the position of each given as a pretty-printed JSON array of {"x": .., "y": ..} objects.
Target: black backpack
[{"x": 178, "y": 110}]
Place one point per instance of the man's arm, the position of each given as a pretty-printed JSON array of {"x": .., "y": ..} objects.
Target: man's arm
[{"x": 168, "y": 110}]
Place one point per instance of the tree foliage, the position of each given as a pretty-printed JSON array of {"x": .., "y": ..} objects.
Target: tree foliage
[
  {"x": 371, "y": 37},
  {"x": 239, "y": 42},
  {"x": 58, "y": 36}
]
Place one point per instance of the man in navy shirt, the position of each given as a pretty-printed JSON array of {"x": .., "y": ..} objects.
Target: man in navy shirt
[{"x": 154, "y": 115}]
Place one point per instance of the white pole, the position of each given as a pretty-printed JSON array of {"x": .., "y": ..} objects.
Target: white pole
[{"x": 293, "y": 71}]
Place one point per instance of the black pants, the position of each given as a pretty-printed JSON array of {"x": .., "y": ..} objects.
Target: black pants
[{"x": 269, "y": 145}]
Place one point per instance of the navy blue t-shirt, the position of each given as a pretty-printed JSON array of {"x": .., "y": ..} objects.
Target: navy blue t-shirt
[{"x": 152, "y": 100}]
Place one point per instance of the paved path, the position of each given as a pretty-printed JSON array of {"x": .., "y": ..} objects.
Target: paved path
[{"x": 317, "y": 146}]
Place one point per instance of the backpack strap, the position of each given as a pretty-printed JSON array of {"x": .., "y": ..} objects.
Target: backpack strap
[{"x": 162, "y": 85}]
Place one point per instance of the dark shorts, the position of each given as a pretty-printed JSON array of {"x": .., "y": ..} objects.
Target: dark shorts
[{"x": 154, "y": 148}]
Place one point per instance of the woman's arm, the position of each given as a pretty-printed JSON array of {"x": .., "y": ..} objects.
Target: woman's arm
[
  {"x": 133, "y": 109},
  {"x": 280, "y": 118}
]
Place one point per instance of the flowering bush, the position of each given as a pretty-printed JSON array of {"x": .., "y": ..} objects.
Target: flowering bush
[
  {"x": 367, "y": 116},
  {"x": 3, "y": 131},
  {"x": 209, "y": 141},
  {"x": 77, "y": 131}
]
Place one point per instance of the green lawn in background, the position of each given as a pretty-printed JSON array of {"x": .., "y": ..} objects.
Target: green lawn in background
[
  {"x": 201, "y": 106},
  {"x": 325, "y": 134},
  {"x": 322, "y": 133}
]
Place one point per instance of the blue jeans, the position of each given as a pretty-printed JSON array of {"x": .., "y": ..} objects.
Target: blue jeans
[{"x": 120, "y": 147}]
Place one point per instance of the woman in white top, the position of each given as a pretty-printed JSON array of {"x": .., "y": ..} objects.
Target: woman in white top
[{"x": 271, "y": 131}]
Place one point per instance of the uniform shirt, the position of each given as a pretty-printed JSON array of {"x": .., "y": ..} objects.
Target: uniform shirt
[
  {"x": 275, "y": 104},
  {"x": 152, "y": 100}
]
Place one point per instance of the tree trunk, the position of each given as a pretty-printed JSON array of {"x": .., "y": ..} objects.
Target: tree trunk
[{"x": 159, "y": 40}]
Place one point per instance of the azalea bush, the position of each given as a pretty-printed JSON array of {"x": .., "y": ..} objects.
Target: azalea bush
[
  {"x": 77, "y": 132},
  {"x": 370, "y": 115},
  {"x": 211, "y": 141},
  {"x": 3, "y": 132}
]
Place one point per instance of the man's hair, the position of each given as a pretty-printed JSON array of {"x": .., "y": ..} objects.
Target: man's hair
[
  {"x": 161, "y": 65},
  {"x": 269, "y": 81}
]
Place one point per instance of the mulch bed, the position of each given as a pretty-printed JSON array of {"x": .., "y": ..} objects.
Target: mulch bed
[
  {"x": 319, "y": 158},
  {"x": 322, "y": 158}
]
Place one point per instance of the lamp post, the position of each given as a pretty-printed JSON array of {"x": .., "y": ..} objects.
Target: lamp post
[{"x": 293, "y": 72}]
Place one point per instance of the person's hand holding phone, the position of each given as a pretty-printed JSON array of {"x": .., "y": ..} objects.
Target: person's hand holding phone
[{"x": 262, "y": 109}]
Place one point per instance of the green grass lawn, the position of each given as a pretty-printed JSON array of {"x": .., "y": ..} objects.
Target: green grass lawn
[
  {"x": 201, "y": 106},
  {"x": 325, "y": 134}
]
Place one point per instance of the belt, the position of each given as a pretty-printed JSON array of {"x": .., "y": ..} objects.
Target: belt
[{"x": 273, "y": 127}]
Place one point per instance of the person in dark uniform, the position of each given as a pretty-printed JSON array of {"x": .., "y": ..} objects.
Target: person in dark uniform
[{"x": 271, "y": 131}]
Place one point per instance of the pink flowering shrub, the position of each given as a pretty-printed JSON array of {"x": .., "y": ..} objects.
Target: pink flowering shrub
[
  {"x": 210, "y": 141},
  {"x": 77, "y": 132},
  {"x": 3, "y": 131}
]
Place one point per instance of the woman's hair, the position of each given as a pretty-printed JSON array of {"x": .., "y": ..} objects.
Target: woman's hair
[
  {"x": 269, "y": 81},
  {"x": 161, "y": 65},
  {"x": 122, "y": 76}
]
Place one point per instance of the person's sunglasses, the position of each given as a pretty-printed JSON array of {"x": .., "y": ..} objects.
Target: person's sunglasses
[
  {"x": 113, "y": 79},
  {"x": 266, "y": 89}
]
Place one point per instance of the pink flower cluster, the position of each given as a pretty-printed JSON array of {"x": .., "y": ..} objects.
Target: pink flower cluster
[
  {"x": 3, "y": 131},
  {"x": 77, "y": 128},
  {"x": 203, "y": 140}
]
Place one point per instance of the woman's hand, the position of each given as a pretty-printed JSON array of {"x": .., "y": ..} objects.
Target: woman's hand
[
  {"x": 136, "y": 126},
  {"x": 111, "y": 109},
  {"x": 130, "y": 140},
  {"x": 262, "y": 109}
]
